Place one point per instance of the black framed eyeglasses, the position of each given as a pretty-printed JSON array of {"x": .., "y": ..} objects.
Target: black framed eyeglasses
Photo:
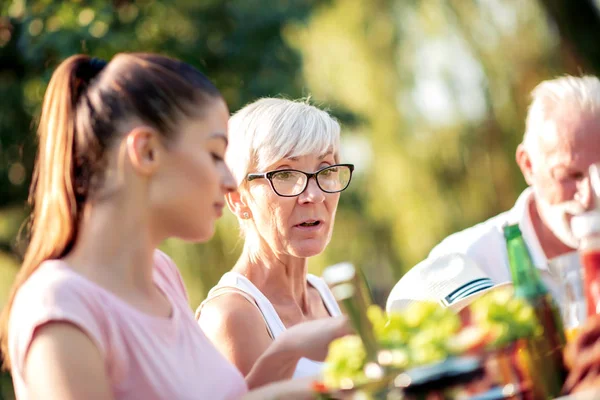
[{"x": 291, "y": 182}]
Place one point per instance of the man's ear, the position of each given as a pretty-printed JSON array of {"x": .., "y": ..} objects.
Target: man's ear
[
  {"x": 237, "y": 205},
  {"x": 144, "y": 150},
  {"x": 524, "y": 162}
]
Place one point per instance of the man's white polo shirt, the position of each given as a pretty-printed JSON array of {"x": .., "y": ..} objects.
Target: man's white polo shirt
[{"x": 484, "y": 243}]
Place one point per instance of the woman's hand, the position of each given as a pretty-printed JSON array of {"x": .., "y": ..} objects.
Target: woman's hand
[
  {"x": 294, "y": 389},
  {"x": 308, "y": 339},
  {"x": 582, "y": 357},
  {"x": 311, "y": 339}
]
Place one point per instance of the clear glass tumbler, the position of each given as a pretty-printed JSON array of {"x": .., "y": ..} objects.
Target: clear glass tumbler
[{"x": 567, "y": 271}]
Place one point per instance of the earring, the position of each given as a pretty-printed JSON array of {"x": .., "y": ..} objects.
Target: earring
[{"x": 246, "y": 215}]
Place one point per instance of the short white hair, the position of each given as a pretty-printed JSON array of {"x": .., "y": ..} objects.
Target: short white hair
[
  {"x": 270, "y": 129},
  {"x": 582, "y": 93}
]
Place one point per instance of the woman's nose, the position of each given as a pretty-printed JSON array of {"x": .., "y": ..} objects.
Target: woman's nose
[{"x": 312, "y": 194}]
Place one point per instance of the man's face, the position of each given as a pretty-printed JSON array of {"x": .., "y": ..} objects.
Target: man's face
[{"x": 557, "y": 168}]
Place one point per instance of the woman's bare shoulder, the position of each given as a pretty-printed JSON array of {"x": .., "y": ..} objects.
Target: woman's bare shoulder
[
  {"x": 237, "y": 327},
  {"x": 230, "y": 306}
]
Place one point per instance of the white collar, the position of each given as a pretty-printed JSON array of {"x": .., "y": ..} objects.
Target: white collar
[{"x": 520, "y": 213}]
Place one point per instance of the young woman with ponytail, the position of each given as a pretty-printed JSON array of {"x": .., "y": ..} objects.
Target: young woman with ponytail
[{"x": 130, "y": 153}]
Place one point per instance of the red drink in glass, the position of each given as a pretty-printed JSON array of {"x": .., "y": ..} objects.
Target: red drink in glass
[
  {"x": 591, "y": 273},
  {"x": 586, "y": 227}
]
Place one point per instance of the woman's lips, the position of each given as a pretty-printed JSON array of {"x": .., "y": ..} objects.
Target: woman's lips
[{"x": 310, "y": 225}]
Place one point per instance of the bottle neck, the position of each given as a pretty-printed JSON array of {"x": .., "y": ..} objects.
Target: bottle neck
[{"x": 525, "y": 276}]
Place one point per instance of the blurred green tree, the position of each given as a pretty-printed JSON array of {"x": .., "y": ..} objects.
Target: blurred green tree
[
  {"x": 238, "y": 44},
  {"x": 441, "y": 89},
  {"x": 433, "y": 94},
  {"x": 579, "y": 25}
]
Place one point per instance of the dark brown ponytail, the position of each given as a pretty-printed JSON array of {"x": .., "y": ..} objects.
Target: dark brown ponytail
[
  {"x": 84, "y": 107},
  {"x": 54, "y": 217}
]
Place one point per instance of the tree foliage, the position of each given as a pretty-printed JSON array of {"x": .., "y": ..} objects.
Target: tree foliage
[
  {"x": 238, "y": 44},
  {"x": 432, "y": 95},
  {"x": 441, "y": 88}
]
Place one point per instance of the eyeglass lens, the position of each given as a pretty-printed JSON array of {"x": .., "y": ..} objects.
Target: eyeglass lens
[{"x": 332, "y": 179}]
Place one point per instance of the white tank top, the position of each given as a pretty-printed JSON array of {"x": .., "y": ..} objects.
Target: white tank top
[{"x": 239, "y": 283}]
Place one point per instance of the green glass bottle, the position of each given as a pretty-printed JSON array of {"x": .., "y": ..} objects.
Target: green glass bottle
[
  {"x": 349, "y": 289},
  {"x": 546, "y": 348}
]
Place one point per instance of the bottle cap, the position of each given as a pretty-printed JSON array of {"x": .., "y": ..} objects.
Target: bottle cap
[
  {"x": 511, "y": 231},
  {"x": 585, "y": 224},
  {"x": 339, "y": 273}
]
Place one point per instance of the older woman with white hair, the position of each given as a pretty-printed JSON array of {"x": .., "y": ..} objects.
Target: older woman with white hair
[{"x": 284, "y": 156}]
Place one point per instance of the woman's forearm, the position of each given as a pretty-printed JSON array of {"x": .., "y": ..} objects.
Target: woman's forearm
[
  {"x": 308, "y": 339},
  {"x": 297, "y": 389},
  {"x": 277, "y": 363}
]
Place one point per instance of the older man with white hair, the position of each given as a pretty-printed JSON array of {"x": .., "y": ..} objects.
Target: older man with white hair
[{"x": 561, "y": 141}]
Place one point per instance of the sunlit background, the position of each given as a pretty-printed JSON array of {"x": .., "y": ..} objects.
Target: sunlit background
[{"x": 432, "y": 96}]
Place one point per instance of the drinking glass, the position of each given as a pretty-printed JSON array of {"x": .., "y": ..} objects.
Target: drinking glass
[
  {"x": 594, "y": 172},
  {"x": 567, "y": 272}
]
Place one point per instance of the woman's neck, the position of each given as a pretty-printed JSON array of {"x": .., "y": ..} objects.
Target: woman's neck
[
  {"x": 114, "y": 246},
  {"x": 278, "y": 276}
]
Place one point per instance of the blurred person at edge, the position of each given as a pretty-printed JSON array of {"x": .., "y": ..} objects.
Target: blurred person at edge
[
  {"x": 284, "y": 156},
  {"x": 561, "y": 141},
  {"x": 582, "y": 357},
  {"x": 130, "y": 153}
]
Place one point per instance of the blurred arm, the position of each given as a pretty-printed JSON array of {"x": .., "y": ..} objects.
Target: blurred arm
[
  {"x": 236, "y": 327},
  {"x": 582, "y": 357},
  {"x": 309, "y": 339},
  {"x": 296, "y": 389},
  {"x": 64, "y": 363},
  {"x": 238, "y": 330}
]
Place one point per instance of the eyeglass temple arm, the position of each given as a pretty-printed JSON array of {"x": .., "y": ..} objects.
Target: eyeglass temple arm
[{"x": 252, "y": 177}]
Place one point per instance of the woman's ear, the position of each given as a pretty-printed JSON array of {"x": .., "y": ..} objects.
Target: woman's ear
[
  {"x": 143, "y": 149},
  {"x": 236, "y": 204}
]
